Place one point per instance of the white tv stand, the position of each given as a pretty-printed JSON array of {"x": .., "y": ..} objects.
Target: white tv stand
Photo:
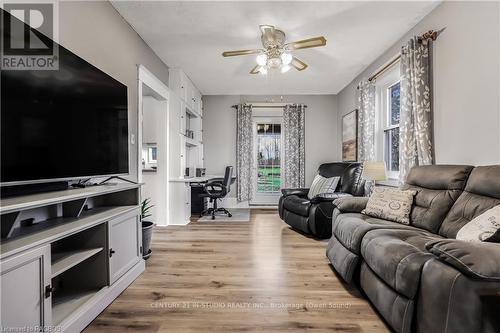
[{"x": 66, "y": 255}]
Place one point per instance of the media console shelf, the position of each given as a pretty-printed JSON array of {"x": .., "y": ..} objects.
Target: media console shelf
[{"x": 66, "y": 255}]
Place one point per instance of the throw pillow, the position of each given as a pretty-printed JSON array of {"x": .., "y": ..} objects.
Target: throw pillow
[
  {"x": 483, "y": 228},
  {"x": 322, "y": 184},
  {"x": 390, "y": 204}
]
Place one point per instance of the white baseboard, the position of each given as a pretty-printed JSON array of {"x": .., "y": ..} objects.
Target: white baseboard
[{"x": 186, "y": 222}]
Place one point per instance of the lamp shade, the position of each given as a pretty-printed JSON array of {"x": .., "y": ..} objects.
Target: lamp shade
[{"x": 374, "y": 170}]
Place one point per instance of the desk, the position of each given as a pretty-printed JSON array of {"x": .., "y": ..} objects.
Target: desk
[
  {"x": 193, "y": 187},
  {"x": 203, "y": 179}
]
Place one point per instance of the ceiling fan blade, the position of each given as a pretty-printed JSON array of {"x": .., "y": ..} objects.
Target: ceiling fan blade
[
  {"x": 241, "y": 52},
  {"x": 255, "y": 70},
  {"x": 298, "y": 64},
  {"x": 306, "y": 43}
]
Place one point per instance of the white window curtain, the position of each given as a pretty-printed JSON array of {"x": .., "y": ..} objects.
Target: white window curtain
[
  {"x": 244, "y": 152},
  {"x": 293, "y": 173},
  {"x": 415, "y": 138},
  {"x": 366, "y": 121}
]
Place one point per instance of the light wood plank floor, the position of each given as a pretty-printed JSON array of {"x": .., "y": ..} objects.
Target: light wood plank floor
[{"x": 227, "y": 277}]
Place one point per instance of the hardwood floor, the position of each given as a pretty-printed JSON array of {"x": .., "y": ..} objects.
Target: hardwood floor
[{"x": 231, "y": 277}]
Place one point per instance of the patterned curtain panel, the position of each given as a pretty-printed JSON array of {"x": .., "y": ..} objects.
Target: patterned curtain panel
[
  {"x": 293, "y": 173},
  {"x": 415, "y": 138},
  {"x": 244, "y": 152},
  {"x": 366, "y": 122}
]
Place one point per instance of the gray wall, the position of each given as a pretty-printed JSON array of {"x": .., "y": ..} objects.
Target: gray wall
[
  {"x": 97, "y": 33},
  {"x": 219, "y": 130},
  {"x": 466, "y": 81}
]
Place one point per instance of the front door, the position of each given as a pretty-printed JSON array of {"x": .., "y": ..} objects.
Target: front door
[{"x": 267, "y": 157}]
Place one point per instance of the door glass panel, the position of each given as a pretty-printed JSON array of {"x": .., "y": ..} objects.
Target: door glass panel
[{"x": 268, "y": 158}]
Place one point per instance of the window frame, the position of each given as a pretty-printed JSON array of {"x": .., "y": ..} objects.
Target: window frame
[{"x": 383, "y": 114}]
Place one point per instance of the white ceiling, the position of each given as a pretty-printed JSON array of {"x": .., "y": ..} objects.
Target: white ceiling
[{"x": 192, "y": 36}]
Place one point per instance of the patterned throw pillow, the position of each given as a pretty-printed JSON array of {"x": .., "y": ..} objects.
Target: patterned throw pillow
[
  {"x": 390, "y": 204},
  {"x": 322, "y": 185},
  {"x": 484, "y": 228}
]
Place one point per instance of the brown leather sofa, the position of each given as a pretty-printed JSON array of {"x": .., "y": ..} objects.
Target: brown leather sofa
[{"x": 418, "y": 276}]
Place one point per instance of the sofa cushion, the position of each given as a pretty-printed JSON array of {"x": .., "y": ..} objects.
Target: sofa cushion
[
  {"x": 350, "y": 228},
  {"x": 297, "y": 205},
  {"x": 481, "y": 194},
  {"x": 397, "y": 257},
  {"x": 438, "y": 187},
  {"x": 391, "y": 204}
]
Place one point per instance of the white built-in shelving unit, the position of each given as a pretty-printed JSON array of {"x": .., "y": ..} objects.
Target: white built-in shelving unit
[
  {"x": 65, "y": 255},
  {"x": 186, "y": 141}
]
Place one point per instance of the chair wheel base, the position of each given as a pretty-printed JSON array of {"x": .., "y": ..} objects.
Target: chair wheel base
[{"x": 213, "y": 212}]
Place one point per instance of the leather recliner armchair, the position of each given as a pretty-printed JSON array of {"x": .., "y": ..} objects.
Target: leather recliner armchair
[{"x": 315, "y": 216}]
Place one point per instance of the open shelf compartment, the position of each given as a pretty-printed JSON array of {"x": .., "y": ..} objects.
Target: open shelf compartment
[
  {"x": 63, "y": 261},
  {"x": 79, "y": 270}
]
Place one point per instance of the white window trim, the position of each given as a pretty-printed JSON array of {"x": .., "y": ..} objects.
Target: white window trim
[{"x": 388, "y": 79}]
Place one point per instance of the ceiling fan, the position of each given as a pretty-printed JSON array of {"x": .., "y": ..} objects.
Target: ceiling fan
[{"x": 276, "y": 54}]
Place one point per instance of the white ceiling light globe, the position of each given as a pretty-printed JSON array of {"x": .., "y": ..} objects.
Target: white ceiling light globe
[
  {"x": 285, "y": 68},
  {"x": 262, "y": 59},
  {"x": 286, "y": 58}
]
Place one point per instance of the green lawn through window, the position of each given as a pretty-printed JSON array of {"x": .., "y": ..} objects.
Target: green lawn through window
[{"x": 269, "y": 179}]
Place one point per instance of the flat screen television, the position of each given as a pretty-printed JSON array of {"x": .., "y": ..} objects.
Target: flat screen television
[{"x": 70, "y": 123}]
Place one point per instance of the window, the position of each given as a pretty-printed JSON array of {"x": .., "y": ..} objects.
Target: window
[
  {"x": 388, "y": 109},
  {"x": 391, "y": 130}
]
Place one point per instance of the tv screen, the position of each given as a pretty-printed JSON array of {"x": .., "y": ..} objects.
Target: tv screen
[{"x": 62, "y": 124}]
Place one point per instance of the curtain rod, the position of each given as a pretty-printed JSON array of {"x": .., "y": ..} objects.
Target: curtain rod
[
  {"x": 280, "y": 106},
  {"x": 429, "y": 35}
]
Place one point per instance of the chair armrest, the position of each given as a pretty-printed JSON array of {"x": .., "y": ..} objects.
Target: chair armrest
[
  {"x": 215, "y": 188},
  {"x": 329, "y": 197},
  {"x": 351, "y": 204},
  {"x": 480, "y": 260},
  {"x": 301, "y": 192}
]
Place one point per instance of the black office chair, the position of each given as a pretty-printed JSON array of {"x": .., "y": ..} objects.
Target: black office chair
[{"x": 216, "y": 189}]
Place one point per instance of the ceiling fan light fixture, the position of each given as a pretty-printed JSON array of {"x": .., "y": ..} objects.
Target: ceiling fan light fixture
[
  {"x": 276, "y": 53},
  {"x": 285, "y": 68},
  {"x": 261, "y": 59},
  {"x": 274, "y": 63},
  {"x": 286, "y": 58}
]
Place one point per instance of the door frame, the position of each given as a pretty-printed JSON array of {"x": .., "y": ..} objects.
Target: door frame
[
  {"x": 162, "y": 93},
  {"x": 270, "y": 199}
]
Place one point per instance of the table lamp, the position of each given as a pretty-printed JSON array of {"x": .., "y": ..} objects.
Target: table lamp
[{"x": 373, "y": 171}]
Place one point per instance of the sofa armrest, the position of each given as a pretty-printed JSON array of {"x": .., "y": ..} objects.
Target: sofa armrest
[
  {"x": 301, "y": 192},
  {"x": 480, "y": 260},
  {"x": 329, "y": 197},
  {"x": 351, "y": 204}
]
